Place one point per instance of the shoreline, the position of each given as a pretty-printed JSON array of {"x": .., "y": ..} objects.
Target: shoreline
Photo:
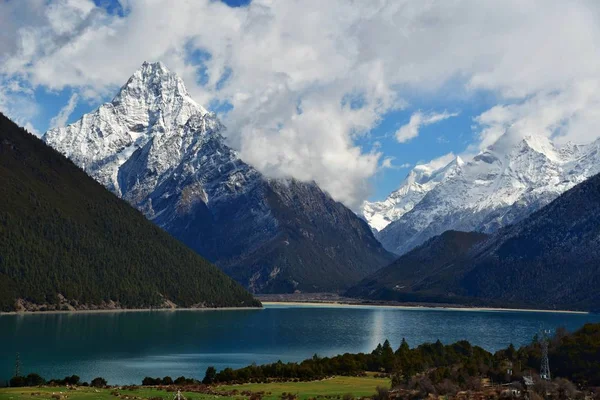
[
  {"x": 413, "y": 307},
  {"x": 297, "y": 303},
  {"x": 127, "y": 310}
]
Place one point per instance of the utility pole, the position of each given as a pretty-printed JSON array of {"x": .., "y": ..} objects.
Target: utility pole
[{"x": 545, "y": 367}]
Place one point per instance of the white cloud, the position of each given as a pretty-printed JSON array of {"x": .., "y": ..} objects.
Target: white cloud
[
  {"x": 572, "y": 114},
  {"x": 438, "y": 162},
  {"x": 417, "y": 120},
  {"x": 60, "y": 119},
  {"x": 537, "y": 58},
  {"x": 388, "y": 163},
  {"x": 17, "y": 103},
  {"x": 29, "y": 127}
]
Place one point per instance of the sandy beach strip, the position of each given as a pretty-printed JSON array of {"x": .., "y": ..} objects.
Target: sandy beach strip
[{"x": 401, "y": 307}]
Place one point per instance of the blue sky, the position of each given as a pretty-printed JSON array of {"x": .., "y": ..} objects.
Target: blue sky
[
  {"x": 451, "y": 135},
  {"x": 349, "y": 94}
]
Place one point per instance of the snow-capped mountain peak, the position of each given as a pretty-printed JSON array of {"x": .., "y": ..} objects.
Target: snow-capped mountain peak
[
  {"x": 501, "y": 185},
  {"x": 420, "y": 180},
  {"x": 156, "y": 88},
  {"x": 153, "y": 105},
  {"x": 543, "y": 145},
  {"x": 156, "y": 148}
]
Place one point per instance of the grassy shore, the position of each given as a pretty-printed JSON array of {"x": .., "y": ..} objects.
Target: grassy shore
[{"x": 333, "y": 387}]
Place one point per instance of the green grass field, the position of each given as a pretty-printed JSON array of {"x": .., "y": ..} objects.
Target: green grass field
[{"x": 337, "y": 386}]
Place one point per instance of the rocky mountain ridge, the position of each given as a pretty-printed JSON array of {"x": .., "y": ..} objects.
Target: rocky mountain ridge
[
  {"x": 498, "y": 187},
  {"x": 155, "y": 147}
]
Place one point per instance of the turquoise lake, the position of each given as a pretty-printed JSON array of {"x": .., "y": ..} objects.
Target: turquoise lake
[{"x": 124, "y": 347}]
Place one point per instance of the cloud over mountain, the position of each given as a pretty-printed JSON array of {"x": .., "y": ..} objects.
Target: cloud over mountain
[{"x": 303, "y": 80}]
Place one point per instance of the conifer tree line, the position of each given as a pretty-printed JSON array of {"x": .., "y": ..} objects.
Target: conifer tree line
[
  {"x": 573, "y": 356},
  {"x": 62, "y": 234}
]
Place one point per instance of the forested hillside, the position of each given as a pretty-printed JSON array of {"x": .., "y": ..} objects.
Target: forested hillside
[
  {"x": 549, "y": 260},
  {"x": 66, "y": 241},
  {"x": 414, "y": 276}
]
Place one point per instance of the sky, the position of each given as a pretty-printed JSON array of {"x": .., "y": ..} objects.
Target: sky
[{"x": 351, "y": 94}]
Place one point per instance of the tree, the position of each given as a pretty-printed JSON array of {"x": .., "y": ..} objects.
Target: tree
[
  {"x": 35, "y": 380},
  {"x": 148, "y": 381},
  {"x": 167, "y": 380},
  {"x": 404, "y": 348},
  {"x": 72, "y": 380},
  {"x": 210, "y": 375},
  {"x": 18, "y": 381},
  {"x": 387, "y": 356},
  {"x": 98, "y": 382}
]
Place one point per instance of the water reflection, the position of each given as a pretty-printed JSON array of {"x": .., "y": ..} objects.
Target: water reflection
[{"x": 125, "y": 347}]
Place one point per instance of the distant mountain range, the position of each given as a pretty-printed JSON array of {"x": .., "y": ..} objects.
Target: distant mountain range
[
  {"x": 498, "y": 187},
  {"x": 547, "y": 260},
  {"x": 420, "y": 181},
  {"x": 67, "y": 243},
  {"x": 155, "y": 147}
]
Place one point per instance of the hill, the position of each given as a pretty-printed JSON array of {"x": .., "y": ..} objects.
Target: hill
[
  {"x": 67, "y": 242},
  {"x": 414, "y": 276},
  {"x": 549, "y": 260}
]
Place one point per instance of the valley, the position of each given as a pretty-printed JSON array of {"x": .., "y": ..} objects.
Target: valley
[{"x": 299, "y": 200}]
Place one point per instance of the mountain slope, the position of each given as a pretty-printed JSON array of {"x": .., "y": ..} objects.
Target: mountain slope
[
  {"x": 500, "y": 186},
  {"x": 410, "y": 277},
  {"x": 420, "y": 180},
  {"x": 156, "y": 148},
  {"x": 548, "y": 260},
  {"x": 66, "y": 239}
]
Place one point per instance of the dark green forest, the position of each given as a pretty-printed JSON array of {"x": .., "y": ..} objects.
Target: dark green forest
[
  {"x": 573, "y": 356},
  {"x": 63, "y": 233}
]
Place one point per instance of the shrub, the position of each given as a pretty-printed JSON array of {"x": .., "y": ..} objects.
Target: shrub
[
  {"x": 98, "y": 382},
  {"x": 382, "y": 393}
]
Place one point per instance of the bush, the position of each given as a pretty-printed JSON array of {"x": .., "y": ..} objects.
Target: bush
[
  {"x": 181, "y": 380},
  {"x": 382, "y": 393},
  {"x": 98, "y": 382},
  {"x": 72, "y": 380},
  {"x": 147, "y": 381},
  {"x": 18, "y": 381},
  {"x": 447, "y": 387}
]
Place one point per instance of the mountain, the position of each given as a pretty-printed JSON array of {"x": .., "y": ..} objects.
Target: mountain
[
  {"x": 498, "y": 187},
  {"x": 68, "y": 243},
  {"x": 548, "y": 260},
  {"x": 155, "y": 147},
  {"x": 420, "y": 180},
  {"x": 407, "y": 279}
]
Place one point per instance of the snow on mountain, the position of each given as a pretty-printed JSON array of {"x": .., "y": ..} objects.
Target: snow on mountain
[
  {"x": 153, "y": 103},
  {"x": 496, "y": 188},
  {"x": 420, "y": 180},
  {"x": 155, "y": 147}
]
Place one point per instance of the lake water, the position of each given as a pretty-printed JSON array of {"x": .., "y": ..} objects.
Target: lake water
[{"x": 124, "y": 347}]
